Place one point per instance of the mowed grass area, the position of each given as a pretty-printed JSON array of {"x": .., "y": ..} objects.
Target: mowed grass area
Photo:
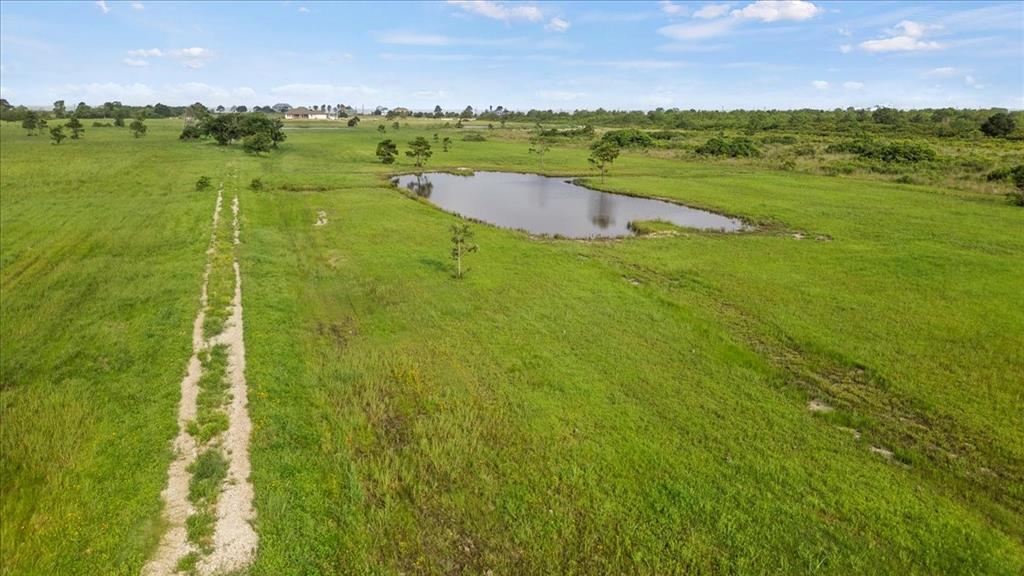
[{"x": 569, "y": 407}]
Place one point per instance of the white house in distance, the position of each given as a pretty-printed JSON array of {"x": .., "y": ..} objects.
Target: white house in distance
[{"x": 303, "y": 113}]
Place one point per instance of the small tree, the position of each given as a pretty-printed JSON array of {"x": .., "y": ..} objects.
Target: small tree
[
  {"x": 446, "y": 144},
  {"x": 59, "y": 109},
  {"x": 30, "y": 122},
  {"x": 257, "y": 143},
  {"x": 353, "y": 122},
  {"x": 436, "y": 137},
  {"x": 540, "y": 147},
  {"x": 461, "y": 245},
  {"x": 395, "y": 125},
  {"x": 119, "y": 119},
  {"x": 381, "y": 128},
  {"x": 41, "y": 125},
  {"x": 387, "y": 150},
  {"x": 57, "y": 134},
  {"x": 999, "y": 125},
  {"x": 419, "y": 151},
  {"x": 138, "y": 128},
  {"x": 75, "y": 125},
  {"x": 602, "y": 154}
]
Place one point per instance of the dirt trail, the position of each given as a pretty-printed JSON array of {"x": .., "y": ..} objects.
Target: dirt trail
[
  {"x": 177, "y": 507},
  {"x": 234, "y": 539}
]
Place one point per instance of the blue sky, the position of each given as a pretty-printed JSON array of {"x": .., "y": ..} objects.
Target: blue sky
[{"x": 560, "y": 55}]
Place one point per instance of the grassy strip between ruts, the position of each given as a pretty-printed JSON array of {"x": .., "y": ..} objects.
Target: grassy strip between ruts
[
  {"x": 221, "y": 283},
  {"x": 213, "y": 394}
]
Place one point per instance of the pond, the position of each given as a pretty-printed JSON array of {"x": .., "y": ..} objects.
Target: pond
[{"x": 553, "y": 206}]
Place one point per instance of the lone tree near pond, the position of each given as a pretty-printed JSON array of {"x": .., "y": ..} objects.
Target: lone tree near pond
[
  {"x": 461, "y": 245},
  {"x": 387, "y": 150},
  {"x": 540, "y": 147},
  {"x": 602, "y": 154},
  {"x": 419, "y": 151}
]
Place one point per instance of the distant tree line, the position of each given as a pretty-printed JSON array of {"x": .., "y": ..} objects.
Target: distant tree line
[{"x": 942, "y": 122}]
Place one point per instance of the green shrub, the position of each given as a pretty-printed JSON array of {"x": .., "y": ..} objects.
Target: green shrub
[
  {"x": 732, "y": 147},
  {"x": 203, "y": 183},
  {"x": 629, "y": 138},
  {"x": 474, "y": 137},
  {"x": 256, "y": 184},
  {"x": 191, "y": 132},
  {"x": 892, "y": 152}
]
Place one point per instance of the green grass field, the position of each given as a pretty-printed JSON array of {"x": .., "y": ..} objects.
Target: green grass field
[{"x": 584, "y": 407}]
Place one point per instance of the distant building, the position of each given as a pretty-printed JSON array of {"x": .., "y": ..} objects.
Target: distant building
[
  {"x": 400, "y": 111},
  {"x": 303, "y": 113}
]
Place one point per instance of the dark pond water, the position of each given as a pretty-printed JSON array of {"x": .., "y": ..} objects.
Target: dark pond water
[{"x": 543, "y": 205}]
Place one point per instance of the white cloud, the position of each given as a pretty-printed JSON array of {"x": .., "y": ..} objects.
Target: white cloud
[
  {"x": 845, "y": 48},
  {"x": 144, "y": 53},
  {"x": 712, "y": 11},
  {"x": 672, "y": 9},
  {"x": 942, "y": 72},
  {"x": 697, "y": 31},
  {"x": 499, "y": 11},
  {"x": 763, "y": 10},
  {"x": 138, "y": 6},
  {"x": 906, "y": 37},
  {"x": 191, "y": 53},
  {"x": 557, "y": 25},
  {"x": 103, "y": 6},
  {"x": 193, "y": 64},
  {"x": 820, "y": 85},
  {"x": 303, "y": 10},
  {"x": 844, "y": 31},
  {"x": 560, "y": 95},
  {"x": 138, "y": 63},
  {"x": 853, "y": 85},
  {"x": 244, "y": 92},
  {"x": 774, "y": 10}
]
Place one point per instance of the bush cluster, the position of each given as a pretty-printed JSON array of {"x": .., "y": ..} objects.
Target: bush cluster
[
  {"x": 732, "y": 147},
  {"x": 258, "y": 132},
  {"x": 629, "y": 138},
  {"x": 890, "y": 152}
]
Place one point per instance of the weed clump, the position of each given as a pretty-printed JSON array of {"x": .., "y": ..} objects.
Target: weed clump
[{"x": 203, "y": 183}]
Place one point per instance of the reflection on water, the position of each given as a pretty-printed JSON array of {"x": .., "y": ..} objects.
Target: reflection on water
[
  {"x": 543, "y": 205},
  {"x": 421, "y": 186}
]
